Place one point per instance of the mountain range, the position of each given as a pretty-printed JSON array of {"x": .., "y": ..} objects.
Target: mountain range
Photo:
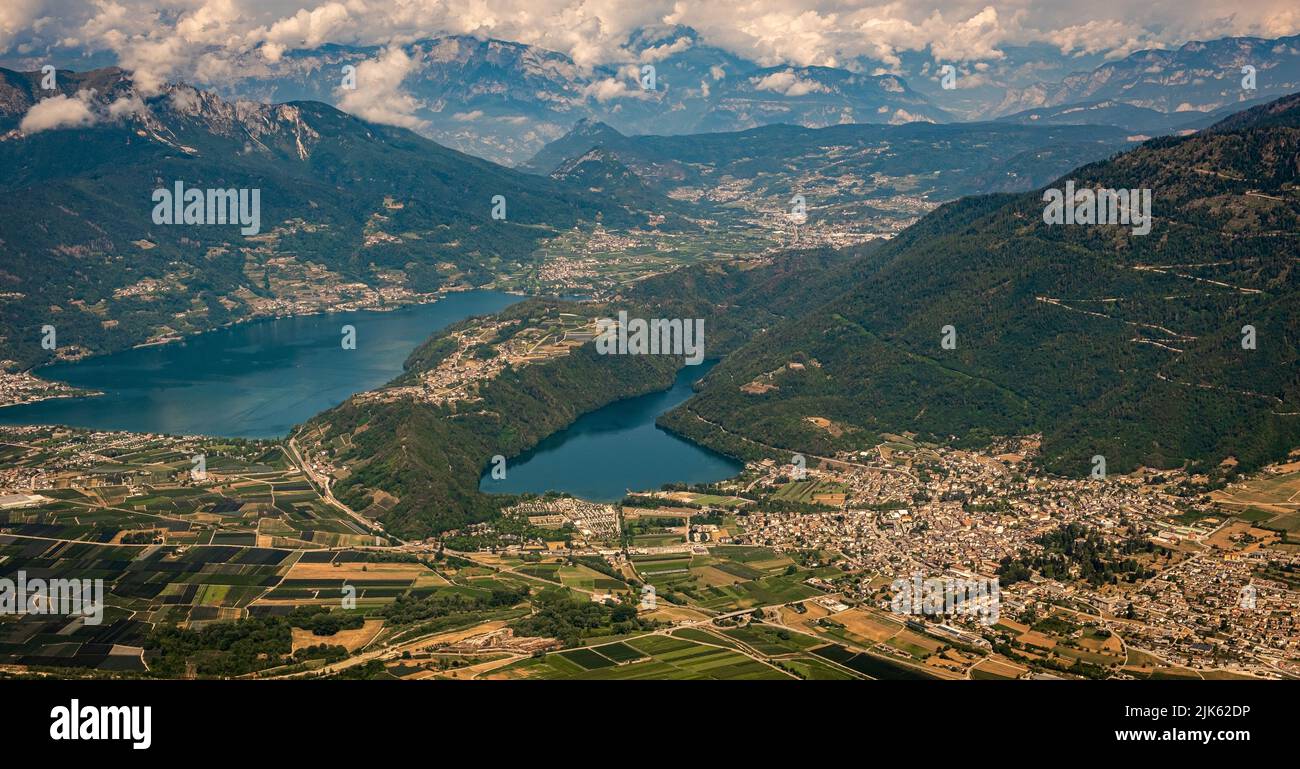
[
  {"x": 1199, "y": 76},
  {"x": 921, "y": 159},
  {"x": 350, "y": 212},
  {"x": 360, "y": 214},
  {"x": 1103, "y": 341},
  {"x": 504, "y": 100},
  {"x": 1107, "y": 342}
]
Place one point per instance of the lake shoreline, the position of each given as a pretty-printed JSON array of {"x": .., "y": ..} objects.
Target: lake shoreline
[
  {"x": 596, "y": 439},
  {"x": 252, "y": 355}
]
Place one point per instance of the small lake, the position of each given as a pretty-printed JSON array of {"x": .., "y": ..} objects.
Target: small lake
[
  {"x": 250, "y": 380},
  {"x": 617, "y": 448}
]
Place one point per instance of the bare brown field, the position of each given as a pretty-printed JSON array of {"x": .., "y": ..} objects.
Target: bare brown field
[
  {"x": 1035, "y": 638},
  {"x": 804, "y": 621},
  {"x": 488, "y": 670},
  {"x": 869, "y": 624},
  {"x": 952, "y": 661},
  {"x": 1112, "y": 646},
  {"x": 669, "y": 613},
  {"x": 1222, "y": 538},
  {"x": 911, "y": 641},
  {"x": 349, "y": 639},
  {"x": 1013, "y": 625},
  {"x": 1001, "y": 668},
  {"x": 361, "y": 572},
  {"x": 1144, "y": 663},
  {"x": 807, "y": 623},
  {"x": 715, "y": 577}
]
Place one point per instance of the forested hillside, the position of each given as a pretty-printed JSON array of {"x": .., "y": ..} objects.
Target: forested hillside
[
  {"x": 1108, "y": 342},
  {"x": 343, "y": 203}
]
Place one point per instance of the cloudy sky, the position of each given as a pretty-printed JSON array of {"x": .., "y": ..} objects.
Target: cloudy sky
[{"x": 164, "y": 39}]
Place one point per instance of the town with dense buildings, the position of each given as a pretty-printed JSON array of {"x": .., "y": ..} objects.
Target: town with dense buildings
[
  {"x": 18, "y": 387},
  {"x": 1223, "y": 593},
  {"x": 1208, "y": 587}
]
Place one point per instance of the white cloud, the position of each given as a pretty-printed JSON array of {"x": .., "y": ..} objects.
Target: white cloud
[
  {"x": 901, "y": 116},
  {"x": 86, "y": 108},
  {"x": 126, "y": 106},
  {"x": 306, "y": 29},
  {"x": 59, "y": 111},
  {"x": 16, "y": 16},
  {"x": 169, "y": 39},
  {"x": 378, "y": 96},
  {"x": 1097, "y": 36},
  {"x": 608, "y": 89},
  {"x": 661, "y": 52},
  {"x": 787, "y": 84},
  {"x": 184, "y": 100}
]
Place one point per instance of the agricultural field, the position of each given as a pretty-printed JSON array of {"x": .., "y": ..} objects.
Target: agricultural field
[
  {"x": 1271, "y": 501},
  {"x": 143, "y": 585},
  {"x": 869, "y": 665},
  {"x": 146, "y": 587},
  {"x": 118, "y": 488},
  {"x": 745, "y": 651},
  {"x": 812, "y": 492},
  {"x": 575, "y": 576},
  {"x": 647, "y": 658},
  {"x": 769, "y": 640},
  {"x": 728, "y": 578}
]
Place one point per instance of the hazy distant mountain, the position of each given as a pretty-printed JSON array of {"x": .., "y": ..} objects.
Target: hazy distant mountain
[
  {"x": 1139, "y": 120},
  {"x": 491, "y": 98},
  {"x": 849, "y": 174},
  {"x": 585, "y": 135},
  {"x": 504, "y": 101},
  {"x": 814, "y": 97},
  {"x": 981, "y": 86},
  {"x": 1196, "y": 77}
]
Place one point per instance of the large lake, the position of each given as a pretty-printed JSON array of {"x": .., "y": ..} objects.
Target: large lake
[
  {"x": 618, "y": 448},
  {"x": 251, "y": 380}
]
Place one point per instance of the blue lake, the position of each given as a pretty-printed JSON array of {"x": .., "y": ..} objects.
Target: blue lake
[
  {"x": 251, "y": 380},
  {"x": 618, "y": 448}
]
